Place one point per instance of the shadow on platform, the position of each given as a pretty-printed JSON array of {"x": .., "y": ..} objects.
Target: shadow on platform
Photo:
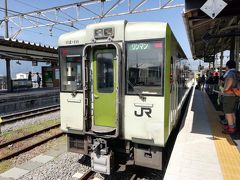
[{"x": 200, "y": 123}]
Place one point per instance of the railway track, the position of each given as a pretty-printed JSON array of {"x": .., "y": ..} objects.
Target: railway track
[
  {"x": 88, "y": 175},
  {"x": 11, "y": 118},
  {"x": 20, "y": 145}
]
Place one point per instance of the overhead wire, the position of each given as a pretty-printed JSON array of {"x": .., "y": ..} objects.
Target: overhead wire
[
  {"x": 29, "y": 5},
  {"x": 37, "y": 32},
  {"x": 45, "y": 19},
  {"x": 40, "y": 33},
  {"x": 1, "y": 9}
]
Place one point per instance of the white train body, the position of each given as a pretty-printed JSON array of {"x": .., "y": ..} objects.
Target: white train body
[{"x": 122, "y": 88}]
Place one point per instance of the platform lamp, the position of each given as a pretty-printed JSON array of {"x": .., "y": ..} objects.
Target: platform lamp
[{"x": 18, "y": 62}]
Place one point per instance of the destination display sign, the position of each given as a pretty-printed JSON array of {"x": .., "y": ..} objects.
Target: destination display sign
[{"x": 144, "y": 46}]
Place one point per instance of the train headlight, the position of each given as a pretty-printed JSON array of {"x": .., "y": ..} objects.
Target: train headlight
[
  {"x": 103, "y": 33},
  {"x": 98, "y": 33},
  {"x": 108, "y": 32}
]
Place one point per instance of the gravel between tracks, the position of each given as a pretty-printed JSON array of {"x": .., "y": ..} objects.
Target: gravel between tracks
[
  {"x": 22, "y": 158},
  {"x": 67, "y": 164},
  {"x": 63, "y": 167},
  {"x": 33, "y": 120}
]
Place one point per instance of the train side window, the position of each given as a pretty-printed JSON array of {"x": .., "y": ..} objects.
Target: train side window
[
  {"x": 71, "y": 68},
  {"x": 145, "y": 67}
]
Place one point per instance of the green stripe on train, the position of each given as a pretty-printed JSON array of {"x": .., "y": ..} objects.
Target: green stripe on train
[{"x": 167, "y": 82}]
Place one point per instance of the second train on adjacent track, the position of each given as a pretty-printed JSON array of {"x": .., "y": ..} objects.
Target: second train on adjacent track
[{"x": 123, "y": 85}]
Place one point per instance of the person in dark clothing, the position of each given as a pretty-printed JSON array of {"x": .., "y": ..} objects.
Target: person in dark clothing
[
  {"x": 38, "y": 79},
  {"x": 30, "y": 76},
  {"x": 215, "y": 81},
  {"x": 203, "y": 82},
  {"x": 210, "y": 83},
  {"x": 199, "y": 81}
]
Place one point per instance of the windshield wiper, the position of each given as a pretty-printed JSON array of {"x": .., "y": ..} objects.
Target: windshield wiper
[
  {"x": 74, "y": 93},
  {"x": 138, "y": 92}
]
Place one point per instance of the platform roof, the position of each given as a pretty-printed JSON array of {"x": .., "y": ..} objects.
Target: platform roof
[
  {"x": 209, "y": 36},
  {"x": 22, "y": 50}
]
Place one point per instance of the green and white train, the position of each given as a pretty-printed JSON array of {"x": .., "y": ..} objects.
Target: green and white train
[{"x": 122, "y": 88}]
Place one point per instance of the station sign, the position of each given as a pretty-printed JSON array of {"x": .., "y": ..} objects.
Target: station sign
[
  {"x": 213, "y": 7},
  {"x": 210, "y": 58},
  {"x": 34, "y": 63}
]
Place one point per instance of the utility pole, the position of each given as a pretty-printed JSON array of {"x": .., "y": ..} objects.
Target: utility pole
[
  {"x": 8, "y": 68},
  {"x": 6, "y": 20}
]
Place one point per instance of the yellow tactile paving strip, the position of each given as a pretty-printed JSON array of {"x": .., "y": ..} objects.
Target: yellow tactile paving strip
[{"x": 227, "y": 152}]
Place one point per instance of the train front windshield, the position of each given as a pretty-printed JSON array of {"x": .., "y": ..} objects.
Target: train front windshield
[
  {"x": 145, "y": 67},
  {"x": 71, "y": 69}
]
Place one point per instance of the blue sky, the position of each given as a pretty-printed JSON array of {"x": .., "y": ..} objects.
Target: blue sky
[{"x": 42, "y": 35}]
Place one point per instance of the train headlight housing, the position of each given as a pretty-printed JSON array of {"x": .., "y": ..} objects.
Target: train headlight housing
[
  {"x": 103, "y": 33},
  {"x": 98, "y": 33},
  {"x": 108, "y": 32}
]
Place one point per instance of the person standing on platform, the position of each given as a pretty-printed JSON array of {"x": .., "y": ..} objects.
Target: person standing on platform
[
  {"x": 38, "y": 79},
  {"x": 203, "y": 79},
  {"x": 210, "y": 83},
  {"x": 30, "y": 77},
  {"x": 229, "y": 98},
  {"x": 199, "y": 80}
]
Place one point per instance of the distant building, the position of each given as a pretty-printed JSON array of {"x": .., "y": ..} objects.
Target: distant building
[{"x": 25, "y": 76}]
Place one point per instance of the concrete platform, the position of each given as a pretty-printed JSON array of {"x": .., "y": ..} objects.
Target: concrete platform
[
  {"x": 201, "y": 151},
  {"x": 28, "y": 99}
]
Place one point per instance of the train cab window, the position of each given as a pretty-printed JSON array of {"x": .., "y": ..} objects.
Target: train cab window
[
  {"x": 145, "y": 67},
  {"x": 105, "y": 72},
  {"x": 71, "y": 68}
]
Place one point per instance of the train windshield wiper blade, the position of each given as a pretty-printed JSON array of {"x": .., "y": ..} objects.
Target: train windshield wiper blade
[
  {"x": 74, "y": 91},
  {"x": 138, "y": 92}
]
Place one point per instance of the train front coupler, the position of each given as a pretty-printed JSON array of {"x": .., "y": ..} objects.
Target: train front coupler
[{"x": 102, "y": 159}]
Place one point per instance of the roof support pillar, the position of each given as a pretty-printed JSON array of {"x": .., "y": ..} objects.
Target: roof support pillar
[
  {"x": 237, "y": 52},
  {"x": 232, "y": 48},
  {"x": 8, "y": 68},
  {"x": 221, "y": 63}
]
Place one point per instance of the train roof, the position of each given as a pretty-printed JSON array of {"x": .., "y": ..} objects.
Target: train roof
[
  {"x": 124, "y": 31},
  {"x": 77, "y": 36}
]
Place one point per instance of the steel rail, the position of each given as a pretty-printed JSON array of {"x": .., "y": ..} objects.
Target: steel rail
[
  {"x": 88, "y": 175},
  {"x": 28, "y": 135},
  {"x": 26, "y": 114},
  {"x": 13, "y": 154}
]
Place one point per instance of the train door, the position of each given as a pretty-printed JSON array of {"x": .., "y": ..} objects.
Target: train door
[
  {"x": 173, "y": 92},
  {"x": 104, "y": 87}
]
